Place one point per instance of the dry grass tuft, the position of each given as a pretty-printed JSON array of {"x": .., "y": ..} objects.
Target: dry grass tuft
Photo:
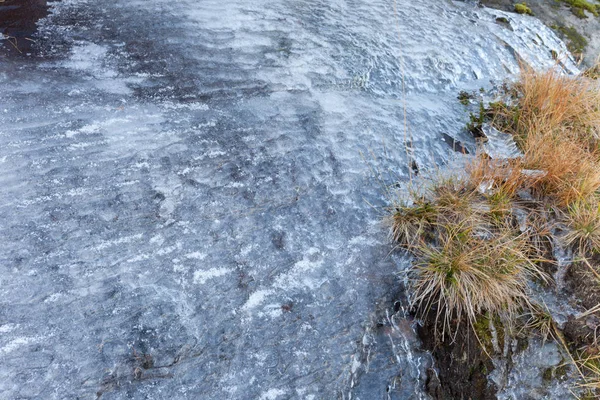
[
  {"x": 497, "y": 176},
  {"x": 589, "y": 368},
  {"x": 556, "y": 122},
  {"x": 470, "y": 271},
  {"x": 568, "y": 172},
  {"x": 479, "y": 239},
  {"x": 540, "y": 321},
  {"x": 548, "y": 102},
  {"x": 583, "y": 219},
  {"x": 471, "y": 257},
  {"x": 455, "y": 199},
  {"x": 412, "y": 223}
]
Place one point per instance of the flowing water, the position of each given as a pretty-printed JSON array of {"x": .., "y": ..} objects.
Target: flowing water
[{"x": 192, "y": 191}]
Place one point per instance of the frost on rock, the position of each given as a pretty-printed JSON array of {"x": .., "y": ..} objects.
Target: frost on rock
[{"x": 188, "y": 190}]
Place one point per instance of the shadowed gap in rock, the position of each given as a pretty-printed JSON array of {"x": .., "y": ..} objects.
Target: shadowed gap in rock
[{"x": 18, "y": 22}]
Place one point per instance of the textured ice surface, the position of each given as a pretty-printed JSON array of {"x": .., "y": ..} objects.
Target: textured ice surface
[
  {"x": 190, "y": 190},
  {"x": 526, "y": 380}
]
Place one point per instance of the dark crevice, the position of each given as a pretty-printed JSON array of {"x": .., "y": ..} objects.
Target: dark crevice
[{"x": 18, "y": 23}]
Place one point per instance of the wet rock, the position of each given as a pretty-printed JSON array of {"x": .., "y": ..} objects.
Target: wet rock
[{"x": 461, "y": 365}]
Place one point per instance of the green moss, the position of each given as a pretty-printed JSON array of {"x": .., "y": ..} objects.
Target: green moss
[
  {"x": 523, "y": 344},
  {"x": 482, "y": 329},
  {"x": 588, "y": 395},
  {"x": 476, "y": 122},
  {"x": 465, "y": 97},
  {"x": 505, "y": 118},
  {"x": 558, "y": 373},
  {"x": 576, "y": 43},
  {"x": 484, "y": 369},
  {"x": 497, "y": 108},
  {"x": 578, "y": 7},
  {"x": 472, "y": 370},
  {"x": 522, "y": 8},
  {"x": 591, "y": 363},
  {"x": 500, "y": 207},
  {"x": 484, "y": 334},
  {"x": 578, "y": 12}
]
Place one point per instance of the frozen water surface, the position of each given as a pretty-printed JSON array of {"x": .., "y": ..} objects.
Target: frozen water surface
[{"x": 188, "y": 204}]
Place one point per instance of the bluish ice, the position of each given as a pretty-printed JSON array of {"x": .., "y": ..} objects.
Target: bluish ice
[{"x": 192, "y": 192}]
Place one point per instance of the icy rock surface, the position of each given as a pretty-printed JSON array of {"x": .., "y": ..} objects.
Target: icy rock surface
[
  {"x": 189, "y": 191},
  {"x": 526, "y": 378}
]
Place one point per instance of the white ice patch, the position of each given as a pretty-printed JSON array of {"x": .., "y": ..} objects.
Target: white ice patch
[
  {"x": 16, "y": 343},
  {"x": 200, "y": 277},
  {"x": 122, "y": 240},
  {"x": 139, "y": 257},
  {"x": 500, "y": 145},
  {"x": 8, "y": 328},
  {"x": 256, "y": 299},
  {"x": 297, "y": 277},
  {"x": 157, "y": 239},
  {"x": 355, "y": 365},
  {"x": 54, "y": 297},
  {"x": 273, "y": 310},
  {"x": 86, "y": 56},
  {"x": 363, "y": 240},
  {"x": 196, "y": 255},
  {"x": 272, "y": 394},
  {"x": 91, "y": 58},
  {"x": 169, "y": 249},
  {"x": 86, "y": 130},
  {"x": 185, "y": 106}
]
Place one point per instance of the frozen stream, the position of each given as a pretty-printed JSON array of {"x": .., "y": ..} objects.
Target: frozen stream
[{"x": 188, "y": 206}]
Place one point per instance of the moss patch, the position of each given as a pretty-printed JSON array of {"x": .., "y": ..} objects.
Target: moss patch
[
  {"x": 465, "y": 98},
  {"x": 476, "y": 121},
  {"x": 559, "y": 373},
  {"x": 578, "y": 7},
  {"x": 522, "y": 8},
  {"x": 576, "y": 42},
  {"x": 481, "y": 326}
]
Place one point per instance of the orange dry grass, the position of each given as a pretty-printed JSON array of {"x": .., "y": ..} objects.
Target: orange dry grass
[
  {"x": 471, "y": 257},
  {"x": 505, "y": 176},
  {"x": 569, "y": 172},
  {"x": 556, "y": 122},
  {"x": 550, "y": 103}
]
